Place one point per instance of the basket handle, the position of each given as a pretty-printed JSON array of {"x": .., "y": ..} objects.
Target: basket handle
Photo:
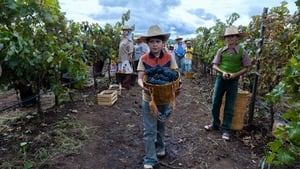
[
  {"x": 173, "y": 99},
  {"x": 152, "y": 104}
]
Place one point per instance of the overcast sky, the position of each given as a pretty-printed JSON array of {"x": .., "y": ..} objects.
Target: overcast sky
[{"x": 178, "y": 17}]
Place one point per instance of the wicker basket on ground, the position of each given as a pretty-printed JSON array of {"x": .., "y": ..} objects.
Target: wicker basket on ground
[{"x": 240, "y": 108}]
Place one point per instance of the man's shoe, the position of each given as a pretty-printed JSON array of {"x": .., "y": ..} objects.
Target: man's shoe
[
  {"x": 226, "y": 136},
  {"x": 147, "y": 166},
  {"x": 161, "y": 154},
  {"x": 210, "y": 127}
]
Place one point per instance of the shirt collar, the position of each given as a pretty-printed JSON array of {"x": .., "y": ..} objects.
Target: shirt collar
[
  {"x": 153, "y": 56},
  {"x": 236, "y": 48}
]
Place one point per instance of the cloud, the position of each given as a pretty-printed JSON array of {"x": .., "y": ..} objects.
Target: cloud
[
  {"x": 179, "y": 17},
  {"x": 200, "y": 12}
]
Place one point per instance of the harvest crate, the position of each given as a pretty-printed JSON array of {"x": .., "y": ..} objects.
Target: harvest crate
[
  {"x": 117, "y": 87},
  {"x": 107, "y": 97}
]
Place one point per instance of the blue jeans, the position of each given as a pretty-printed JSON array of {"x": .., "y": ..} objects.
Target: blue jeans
[
  {"x": 231, "y": 89},
  {"x": 180, "y": 64},
  {"x": 188, "y": 67},
  {"x": 154, "y": 132}
]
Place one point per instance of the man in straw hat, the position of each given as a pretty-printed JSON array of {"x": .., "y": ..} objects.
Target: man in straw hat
[
  {"x": 154, "y": 129},
  {"x": 188, "y": 56},
  {"x": 125, "y": 55},
  {"x": 126, "y": 45},
  {"x": 179, "y": 52},
  {"x": 231, "y": 61}
]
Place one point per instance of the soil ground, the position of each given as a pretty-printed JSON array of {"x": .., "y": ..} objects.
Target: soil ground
[{"x": 84, "y": 135}]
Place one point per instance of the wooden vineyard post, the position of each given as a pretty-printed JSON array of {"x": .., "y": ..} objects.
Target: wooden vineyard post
[{"x": 256, "y": 74}]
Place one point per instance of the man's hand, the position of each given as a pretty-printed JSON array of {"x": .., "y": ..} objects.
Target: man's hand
[
  {"x": 229, "y": 76},
  {"x": 177, "y": 92},
  {"x": 226, "y": 76},
  {"x": 180, "y": 84},
  {"x": 146, "y": 90}
]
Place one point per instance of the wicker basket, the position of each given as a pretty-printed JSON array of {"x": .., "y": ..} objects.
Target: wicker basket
[
  {"x": 240, "y": 108},
  {"x": 189, "y": 75},
  {"x": 163, "y": 94}
]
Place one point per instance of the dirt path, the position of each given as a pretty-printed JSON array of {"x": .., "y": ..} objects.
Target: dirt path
[{"x": 117, "y": 141}]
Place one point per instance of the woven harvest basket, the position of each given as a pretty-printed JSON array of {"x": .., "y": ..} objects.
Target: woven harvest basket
[
  {"x": 240, "y": 108},
  {"x": 163, "y": 94},
  {"x": 189, "y": 75}
]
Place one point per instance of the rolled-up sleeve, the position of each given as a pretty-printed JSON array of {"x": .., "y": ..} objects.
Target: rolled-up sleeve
[
  {"x": 217, "y": 58},
  {"x": 246, "y": 59}
]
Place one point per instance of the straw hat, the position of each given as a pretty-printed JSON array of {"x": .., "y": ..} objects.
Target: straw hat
[
  {"x": 126, "y": 27},
  {"x": 139, "y": 37},
  {"x": 178, "y": 38},
  {"x": 187, "y": 41},
  {"x": 155, "y": 30},
  {"x": 232, "y": 30}
]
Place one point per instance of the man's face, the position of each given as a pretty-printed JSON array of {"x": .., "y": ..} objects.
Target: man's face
[
  {"x": 139, "y": 40},
  {"x": 155, "y": 45},
  {"x": 231, "y": 40},
  {"x": 125, "y": 32}
]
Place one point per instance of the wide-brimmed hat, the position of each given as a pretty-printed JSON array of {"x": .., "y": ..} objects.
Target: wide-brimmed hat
[
  {"x": 232, "y": 30},
  {"x": 178, "y": 38},
  {"x": 187, "y": 41},
  {"x": 139, "y": 37},
  {"x": 155, "y": 30},
  {"x": 126, "y": 27}
]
